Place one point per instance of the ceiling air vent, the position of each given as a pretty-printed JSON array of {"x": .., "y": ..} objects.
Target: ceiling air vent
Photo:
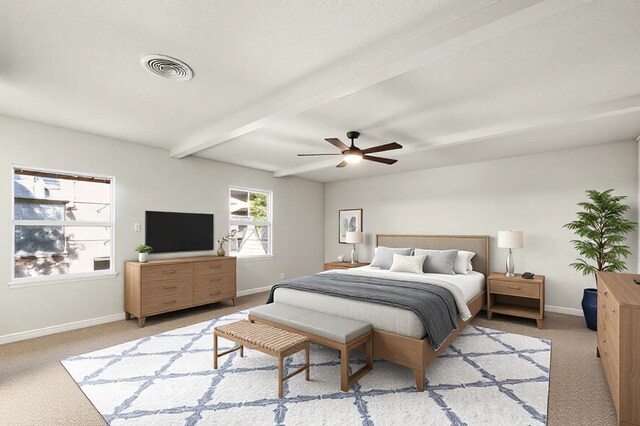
[{"x": 167, "y": 67}]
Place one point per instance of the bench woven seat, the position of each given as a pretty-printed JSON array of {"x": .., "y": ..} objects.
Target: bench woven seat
[
  {"x": 267, "y": 339},
  {"x": 262, "y": 335}
]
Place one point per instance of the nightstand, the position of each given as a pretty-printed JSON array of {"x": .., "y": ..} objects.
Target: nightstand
[
  {"x": 342, "y": 265},
  {"x": 516, "y": 296}
]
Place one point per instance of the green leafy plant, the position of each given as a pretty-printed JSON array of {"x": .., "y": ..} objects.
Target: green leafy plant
[
  {"x": 602, "y": 227},
  {"x": 143, "y": 248}
]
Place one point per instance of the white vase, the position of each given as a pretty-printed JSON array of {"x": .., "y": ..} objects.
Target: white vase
[{"x": 143, "y": 257}]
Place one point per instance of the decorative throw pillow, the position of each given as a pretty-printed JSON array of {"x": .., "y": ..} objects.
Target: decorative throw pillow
[
  {"x": 411, "y": 264},
  {"x": 384, "y": 256},
  {"x": 462, "y": 264},
  {"x": 438, "y": 261}
]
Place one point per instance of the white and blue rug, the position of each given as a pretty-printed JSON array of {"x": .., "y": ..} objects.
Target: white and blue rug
[{"x": 486, "y": 377}]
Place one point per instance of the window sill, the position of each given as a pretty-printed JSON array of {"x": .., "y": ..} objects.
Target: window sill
[
  {"x": 254, "y": 258},
  {"x": 60, "y": 279}
]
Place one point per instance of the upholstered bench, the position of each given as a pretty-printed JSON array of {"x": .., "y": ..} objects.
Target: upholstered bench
[
  {"x": 270, "y": 340},
  {"x": 335, "y": 332}
]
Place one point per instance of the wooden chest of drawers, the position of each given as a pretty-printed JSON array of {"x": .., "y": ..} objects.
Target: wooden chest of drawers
[
  {"x": 168, "y": 285},
  {"x": 619, "y": 342}
]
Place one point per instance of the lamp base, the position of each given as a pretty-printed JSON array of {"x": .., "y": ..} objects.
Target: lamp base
[
  {"x": 509, "y": 265},
  {"x": 354, "y": 255}
]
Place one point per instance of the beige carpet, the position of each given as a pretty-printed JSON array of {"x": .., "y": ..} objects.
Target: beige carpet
[{"x": 35, "y": 389}]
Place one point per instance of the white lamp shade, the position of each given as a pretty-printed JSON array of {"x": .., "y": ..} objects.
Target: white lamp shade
[
  {"x": 510, "y": 239},
  {"x": 353, "y": 237}
]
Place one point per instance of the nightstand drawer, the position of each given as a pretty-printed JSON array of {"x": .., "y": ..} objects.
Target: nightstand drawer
[
  {"x": 342, "y": 265},
  {"x": 519, "y": 289}
]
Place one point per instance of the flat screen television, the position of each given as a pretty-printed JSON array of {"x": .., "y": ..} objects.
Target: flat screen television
[{"x": 168, "y": 232}]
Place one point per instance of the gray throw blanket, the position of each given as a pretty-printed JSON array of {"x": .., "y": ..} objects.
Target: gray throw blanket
[{"x": 435, "y": 306}]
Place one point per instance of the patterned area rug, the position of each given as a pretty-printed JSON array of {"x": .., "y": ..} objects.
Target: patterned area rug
[{"x": 486, "y": 377}]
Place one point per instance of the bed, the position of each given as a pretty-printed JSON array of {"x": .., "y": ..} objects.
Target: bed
[{"x": 398, "y": 335}]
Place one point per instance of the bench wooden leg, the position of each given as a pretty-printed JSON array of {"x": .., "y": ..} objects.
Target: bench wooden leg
[
  {"x": 306, "y": 355},
  {"x": 344, "y": 366},
  {"x": 280, "y": 376},
  {"x": 215, "y": 351}
]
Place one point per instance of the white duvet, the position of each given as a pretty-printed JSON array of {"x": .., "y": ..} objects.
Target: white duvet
[{"x": 381, "y": 317}]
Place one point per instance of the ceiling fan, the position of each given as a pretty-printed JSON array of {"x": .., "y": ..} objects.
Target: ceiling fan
[{"x": 352, "y": 154}]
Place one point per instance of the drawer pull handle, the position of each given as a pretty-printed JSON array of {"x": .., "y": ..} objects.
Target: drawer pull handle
[
  {"x": 606, "y": 353},
  {"x": 613, "y": 310},
  {"x": 513, "y": 288},
  {"x": 214, "y": 280},
  {"x": 606, "y": 293},
  {"x": 214, "y": 294},
  {"x": 169, "y": 272},
  {"x": 602, "y": 327},
  {"x": 214, "y": 266},
  {"x": 604, "y": 340},
  {"x": 169, "y": 302},
  {"x": 167, "y": 287}
]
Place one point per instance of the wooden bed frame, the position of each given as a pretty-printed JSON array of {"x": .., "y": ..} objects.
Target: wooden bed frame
[{"x": 417, "y": 354}]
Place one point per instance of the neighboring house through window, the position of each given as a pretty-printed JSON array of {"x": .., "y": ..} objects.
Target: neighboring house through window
[
  {"x": 62, "y": 225},
  {"x": 250, "y": 215}
]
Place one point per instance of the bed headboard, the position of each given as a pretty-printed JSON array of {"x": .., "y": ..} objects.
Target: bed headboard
[{"x": 479, "y": 244}]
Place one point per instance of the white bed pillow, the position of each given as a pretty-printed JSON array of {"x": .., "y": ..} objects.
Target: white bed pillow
[
  {"x": 462, "y": 264},
  {"x": 412, "y": 264}
]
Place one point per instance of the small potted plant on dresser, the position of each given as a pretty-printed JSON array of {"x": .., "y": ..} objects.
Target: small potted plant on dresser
[
  {"x": 602, "y": 227},
  {"x": 223, "y": 240},
  {"x": 143, "y": 251}
]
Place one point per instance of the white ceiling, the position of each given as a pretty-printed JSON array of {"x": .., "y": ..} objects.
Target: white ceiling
[{"x": 452, "y": 81}]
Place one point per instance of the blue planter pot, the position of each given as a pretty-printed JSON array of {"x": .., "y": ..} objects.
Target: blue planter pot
[{"x": 590, "y": 307}]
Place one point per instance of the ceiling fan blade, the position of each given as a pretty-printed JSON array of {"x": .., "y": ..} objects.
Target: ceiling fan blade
[
  {"x": 342, "y": 164},
  {"x": 379, "y": 159},
  {"x": 337, "y": 143},
  {"x": 380, "y": 148},
  {"x": 311, "y": 155}
]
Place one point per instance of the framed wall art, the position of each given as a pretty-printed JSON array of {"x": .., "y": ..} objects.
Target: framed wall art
[{"x": 348, "y": 220}]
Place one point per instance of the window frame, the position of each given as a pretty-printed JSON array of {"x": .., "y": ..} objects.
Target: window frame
[
  {"x": 71, "y": 277},
  {"x": 238, "y": 222}
]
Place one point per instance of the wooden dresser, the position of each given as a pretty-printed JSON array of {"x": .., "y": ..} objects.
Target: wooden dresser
[
  {"x": 161, "y": 286},
  {"x": 619, "y": 341}
]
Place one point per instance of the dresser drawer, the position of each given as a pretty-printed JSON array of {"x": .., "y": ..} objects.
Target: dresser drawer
[
  {"x": 214, "y": 267},
  {"x": 515, "y": 288},
  {"x": 166, "y": 288},
  {"x": 213, "y": 293},
  {"x": 166, "y": 272},
  {"x": 169, "y": 302},
  {"x": 227, "y": 279},
  {"x": 608, "y": 303}
]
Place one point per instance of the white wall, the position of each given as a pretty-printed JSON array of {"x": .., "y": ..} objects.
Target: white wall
[
  {"x": 535, "y": 193},
  {"x": 146, "y": 179}
]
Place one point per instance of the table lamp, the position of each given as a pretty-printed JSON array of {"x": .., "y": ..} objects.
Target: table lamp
[
  {"x": 510, "y": 240},
  {"x": 353, "y": 238}
]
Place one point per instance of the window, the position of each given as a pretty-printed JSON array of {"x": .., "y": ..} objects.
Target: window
[
  {"x": 251, "y": 217},
  {"x": 62, "y": 225}
]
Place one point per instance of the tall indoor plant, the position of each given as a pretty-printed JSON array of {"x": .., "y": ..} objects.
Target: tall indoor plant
[{"x": 602, "y": 228}]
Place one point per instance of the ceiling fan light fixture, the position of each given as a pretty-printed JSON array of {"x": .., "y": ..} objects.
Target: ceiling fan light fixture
[{"x": 353, "y": 158}]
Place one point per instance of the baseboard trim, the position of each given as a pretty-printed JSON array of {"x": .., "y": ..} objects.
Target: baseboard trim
[
  {"x": 563, "y": 310},
  {"x": 24, "y": 335},
  {"x": 254, "y": 290}
]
